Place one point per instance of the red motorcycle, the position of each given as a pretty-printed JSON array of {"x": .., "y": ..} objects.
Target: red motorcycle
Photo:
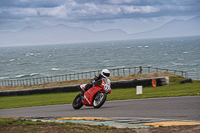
[{"x": 95, "y": 96}]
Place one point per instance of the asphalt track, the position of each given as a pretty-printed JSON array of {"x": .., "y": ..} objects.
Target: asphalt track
[{"x": 176, "y": 108}]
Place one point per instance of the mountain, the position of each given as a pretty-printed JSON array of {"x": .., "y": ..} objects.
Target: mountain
[
  {"x": 173, "y": 28},
  {"x": 65, "y": 34},
  {"x": 58, "y": 34}
]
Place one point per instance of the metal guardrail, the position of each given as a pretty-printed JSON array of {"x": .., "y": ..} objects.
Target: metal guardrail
[
  {"x": 90, "y": 74},
  {"x": 193, "y": 75}
]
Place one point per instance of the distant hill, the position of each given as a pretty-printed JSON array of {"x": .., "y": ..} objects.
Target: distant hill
[
  {"x": 65, "y": 34},
  {"x": 173, "y": 28},
  {"x": 58, "y": 34}
]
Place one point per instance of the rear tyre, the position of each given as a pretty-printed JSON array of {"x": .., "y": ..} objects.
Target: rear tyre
[
  {"x": 99, "y": 100},
  {"x": 77, "y": 103}
]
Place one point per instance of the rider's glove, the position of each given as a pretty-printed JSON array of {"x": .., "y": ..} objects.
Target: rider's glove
[
  {"x": 98, "y": 82},
  {"x": 96, "y": 78}
]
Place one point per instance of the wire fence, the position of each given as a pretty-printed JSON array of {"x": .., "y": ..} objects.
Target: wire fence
[{"x": 91, "y": 74}]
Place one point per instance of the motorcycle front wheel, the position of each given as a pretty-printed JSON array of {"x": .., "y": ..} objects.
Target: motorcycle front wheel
[
  {"x": 77, "y": 103},
  {"x": 99, "y": 100}
]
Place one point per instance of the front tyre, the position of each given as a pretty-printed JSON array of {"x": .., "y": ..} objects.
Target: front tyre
[
  {"x": 77, "y": 103},
  {"x": 99, "y": 100}
]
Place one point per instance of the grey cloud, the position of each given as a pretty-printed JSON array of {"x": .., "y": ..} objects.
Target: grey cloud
[
  {"x": 72, "y": 10},
  {"x": 30, "y": 3},
  {"x": 142, "y": 2},
  {"x": 87, "y": 10}
]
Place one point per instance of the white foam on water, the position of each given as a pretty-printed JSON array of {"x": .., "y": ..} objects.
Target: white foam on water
[
  {"x": 55, "y": 69},
  {"x": 32, "y": 74},
  {"x": 4, "y": 77},
  {"x": 19, "y": 76},
  {"x": 29, "y": 54},
  {"x": 12, "y": 60},
  {"x": 26, "y": 75},
  {"x": 178, "y": 64}
]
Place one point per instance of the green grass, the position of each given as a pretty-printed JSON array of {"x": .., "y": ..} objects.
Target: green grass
[
  {"x": 24, "y": 122},
  {"x": 150, "y": 92},
  {"x": 36, "y": 100},
  {"x": 174, "y": 89}
]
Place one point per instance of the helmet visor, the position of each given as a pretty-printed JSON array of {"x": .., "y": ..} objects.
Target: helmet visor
[{"x": 106, "y": 74}]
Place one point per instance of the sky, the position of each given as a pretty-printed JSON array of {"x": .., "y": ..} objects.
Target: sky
[{"x": 132, "y": 16}]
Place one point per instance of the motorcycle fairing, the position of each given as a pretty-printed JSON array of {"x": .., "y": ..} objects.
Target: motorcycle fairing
[
  {"x": 90, "y": 94},
  {"x": 83, "y": 86},
  {"x": 106, "y": 85}
]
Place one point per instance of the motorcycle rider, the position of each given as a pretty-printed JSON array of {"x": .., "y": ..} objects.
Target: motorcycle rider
[{"x": 105, "y": 73}]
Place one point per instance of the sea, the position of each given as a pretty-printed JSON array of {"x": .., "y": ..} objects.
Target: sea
[{"x": 177, "y": 53}]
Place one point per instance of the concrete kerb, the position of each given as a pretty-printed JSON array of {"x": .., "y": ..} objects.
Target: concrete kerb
[
  {"x": 85, "y": 120},
  {"x": 118, "y": 122}
]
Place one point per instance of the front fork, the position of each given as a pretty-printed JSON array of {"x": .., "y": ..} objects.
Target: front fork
[
  {"x": 82, "y": 95},
  {"x": 97, "y": 96}
]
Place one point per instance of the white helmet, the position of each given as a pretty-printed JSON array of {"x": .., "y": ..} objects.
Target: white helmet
[{"x": 105, "y": 73}]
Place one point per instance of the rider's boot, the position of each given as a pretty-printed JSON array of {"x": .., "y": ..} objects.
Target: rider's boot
[
  {"x": 82, "y": 93},
  {"x": 87, "y": 87}
]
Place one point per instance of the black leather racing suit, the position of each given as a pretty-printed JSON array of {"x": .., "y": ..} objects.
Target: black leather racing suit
[{"x": 96, "y": 81}]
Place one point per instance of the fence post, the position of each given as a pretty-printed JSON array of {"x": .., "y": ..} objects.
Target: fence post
[
  {"x": 118, "y": 71},
  {"x": 66, "y": 76},
  {"x": 148, "y": 69},
  {"x": 140, "y": 72},
  {"x": 21, "y": 82}
]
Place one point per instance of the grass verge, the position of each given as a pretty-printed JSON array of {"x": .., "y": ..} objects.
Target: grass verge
[
  {"x": 174, "y": 89},
  {"x": 18, "y": 126},
  {"x": 27, "y": 126}
]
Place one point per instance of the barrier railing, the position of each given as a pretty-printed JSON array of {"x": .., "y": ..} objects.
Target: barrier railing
[
  {"x": 193, "y": 75},
  {"x": 90, "y": 74}
]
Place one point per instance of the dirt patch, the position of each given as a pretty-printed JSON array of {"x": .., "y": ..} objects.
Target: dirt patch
[
  {"x": 85, "y": 81},
  {"x": 171, "y": 129},
  {"x": 64, "y": 128}
]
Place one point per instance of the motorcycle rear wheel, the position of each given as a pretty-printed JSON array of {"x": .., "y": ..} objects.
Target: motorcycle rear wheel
[
  {"x": 77, "y": 103},
  {"x": 99, "y": 100}
]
